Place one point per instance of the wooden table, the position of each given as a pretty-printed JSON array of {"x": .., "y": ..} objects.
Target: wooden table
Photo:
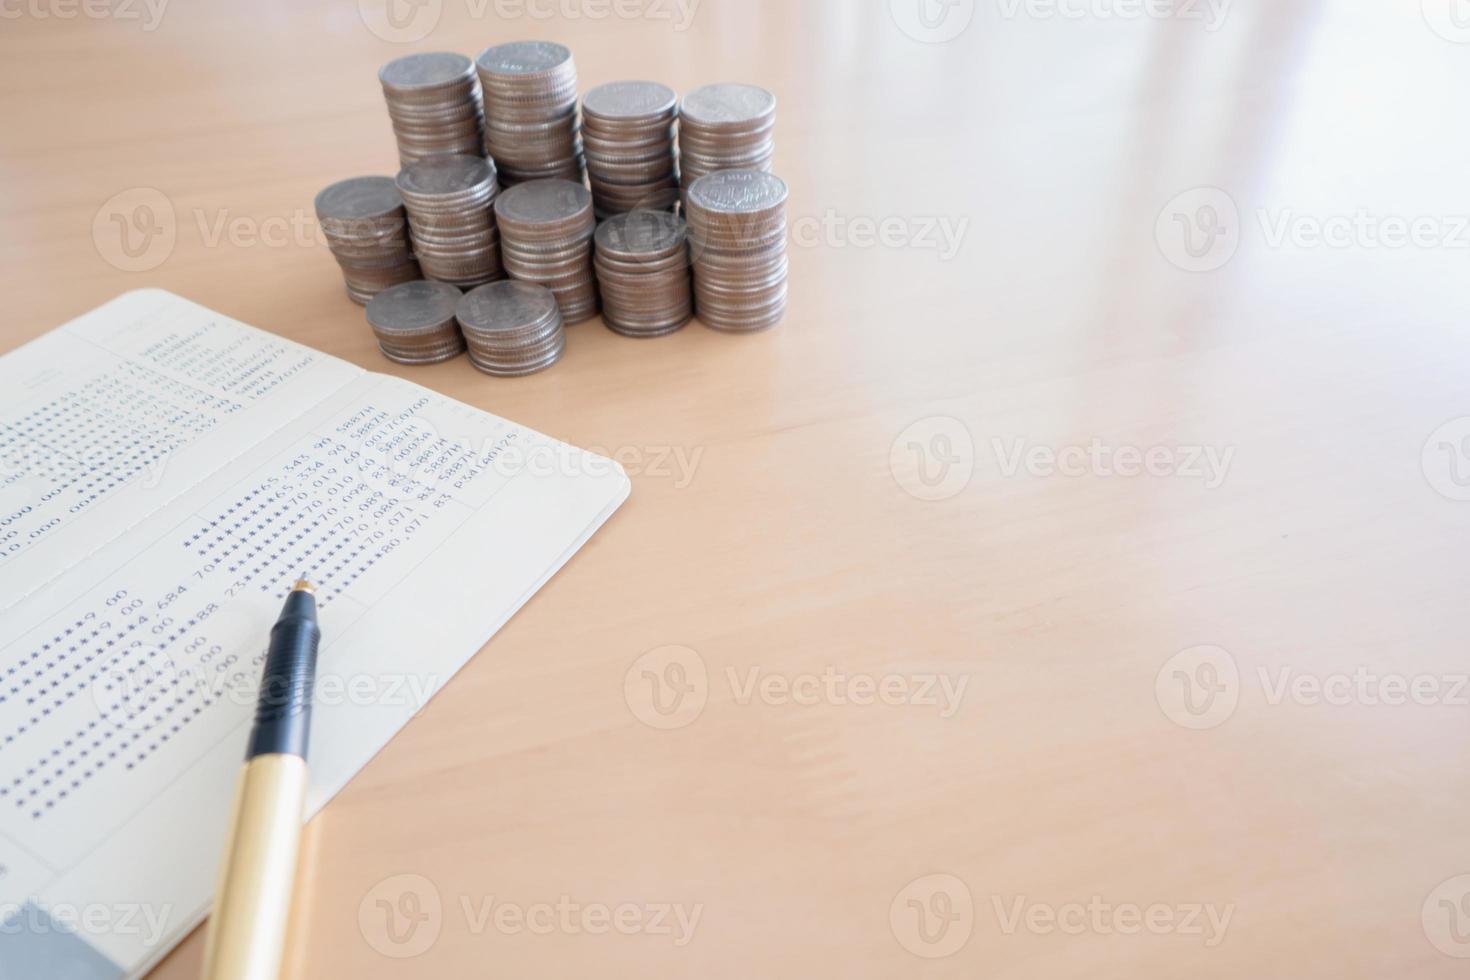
[{"x": 1073, "y": 584}]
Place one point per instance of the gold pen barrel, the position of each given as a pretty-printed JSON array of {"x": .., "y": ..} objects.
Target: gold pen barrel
[{"x": 247, "y": 929}]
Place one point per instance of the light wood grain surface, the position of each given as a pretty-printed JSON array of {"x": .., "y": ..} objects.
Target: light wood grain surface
[{"x": 1179, "y": 650}]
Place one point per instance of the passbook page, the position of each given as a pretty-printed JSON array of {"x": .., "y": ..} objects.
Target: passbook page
[
  {"x": 110, "y": 417},
  {"x": 167, "y": 474}
]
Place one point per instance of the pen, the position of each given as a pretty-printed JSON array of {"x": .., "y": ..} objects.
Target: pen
[{"x": 247, "y": 930}]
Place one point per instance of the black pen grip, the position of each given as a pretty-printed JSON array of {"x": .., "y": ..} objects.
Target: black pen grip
[{"x": 283, "y": 713}]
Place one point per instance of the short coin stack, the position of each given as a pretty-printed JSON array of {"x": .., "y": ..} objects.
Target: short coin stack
[
  {"x": 530, "y": 92},
  {"x": 415, "y": 324},
  {"x": 642, "y": 263},
  {"x": 546, "y": 227},
  {"x": 450, "y": 203},
  {"x": 628, "y": 132},
  {"x": 434, "y": 104},
  {"x": 363, "y": 221},
  {"x": 512, "y": 327},
  {"x": 737, "y": 232},
  {"x": 727, "y": 126}
]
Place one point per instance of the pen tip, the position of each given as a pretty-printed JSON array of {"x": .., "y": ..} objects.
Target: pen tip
[{"x": 302, "y": 585}]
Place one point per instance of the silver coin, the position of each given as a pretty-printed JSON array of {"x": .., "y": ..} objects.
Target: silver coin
[
  {"x": 568, "y": 247},
  {"x": 363, "y": 224},
  {"x": 529, "y": 88},
  {"x": 362, "y": 287},
  {"x": 738, "y": 192},
  {"x": 489, "y": 367},
  {"x": 425, "y": 70},
  {"x": 473, "y": 282},
  {"x": 468, "y": 139},
  {"x": 694, "y": 137},
  {"x": 357, "y": 198},
  {"x": 530, "y": 93},
  {"x": 635, "y": 100},
  {"x": 643, "y": 273},
  {"x": 540, "y": 202},
  {"x": 366, "y": 251},
  {"x": 617, "y": 147},
  {"x": 469, "y": 241},
  {"x": 438, "y": 356},
  {"x": 653, "y": 198},
  {"x": 446, "y": 176},
  {"x": 556, "y": 280},
  {"x": 641, "y": 233},
  {"x": 527, "y": 345},
  {"x": 370, "y": 272},
  {"x": 606, "y": 138},
  {"x": 737, "y": 302},
  {"x": 507, "y": 305},
  {"x": 727, "y": 104},
  {"x": 523, "y": 58},
  {"x": 727, "y": 158},
  {"x": 631, "y": 276},
  {"x": 412, "y": 307},
  {"x": 463, "y": 121},
  {"x": 737, "y": 233},
  {"x": 483, "y": 267}
]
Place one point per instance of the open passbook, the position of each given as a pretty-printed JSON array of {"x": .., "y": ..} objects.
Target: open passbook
[{"x": 165, "y": 473}]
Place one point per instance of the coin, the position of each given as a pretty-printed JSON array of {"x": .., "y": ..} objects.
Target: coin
[
  {"x": 544, "y": 206},
  {"x": 729, "y": 106},
  {"x": 450, "y": 206},
  {"x": 447, "y": 184},
  {"x": 364, "y": 223},
  {"x": 529, "y": 90},
  {"x": 524, "y": 58},
  {"x": 415, "y": 322},
  {"x": 511, "y": 327},
  {"x": 546, "y": 229},
  {"x": 622, "y": 103},
  {"x": 429, "y": 357},
  {"x": 425, "y": 74},
  {"x": 344, "y": 204},
  {"x": 413, "y": 308},
  {"x": 434, "y": 105},
  {"x": 642, "y": 263},
  {"x": 737, "y": 232},
  {"x": 628, "y": 140},
  {"x": 725, "y": 126}
]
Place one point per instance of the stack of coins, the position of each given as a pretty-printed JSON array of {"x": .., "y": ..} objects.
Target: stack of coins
[
  {"x": 628, "y": 132},
  {"x": 415, "y": 324},
  {"x": 737, "y": 233},
  {"x": 642, "y": 265},
  {"x": 434, "y": 104},
  {"x": 451, "y": 213},
  {"x": 512, "y": 328},
  {"x": 530, "y": 91},
  {"x": 726, "y": 127},
  {"x": 547, "y": 228},
  {"x": 363, "y": 221}
]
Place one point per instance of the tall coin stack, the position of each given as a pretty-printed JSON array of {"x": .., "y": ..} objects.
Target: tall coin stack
[
  {"x": 628, "y": 133},
  {"x": 363, "y": 221},
  {"x": 414, "y": 322},
  {"x": 737, "y": 233},
  {"x": 726, "y": 126},
  {"x": 512, "y": 328},
  {"x": 434, "y": 104},
  {"x": 450, "y": 203},
  {"x": 546, "y": 228},
  {"x": 530, "y": 92},
  {"x": 642, "y": 262}
]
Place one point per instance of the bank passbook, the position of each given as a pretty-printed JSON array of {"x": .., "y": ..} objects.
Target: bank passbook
[{"x": 166, "y": 473}]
